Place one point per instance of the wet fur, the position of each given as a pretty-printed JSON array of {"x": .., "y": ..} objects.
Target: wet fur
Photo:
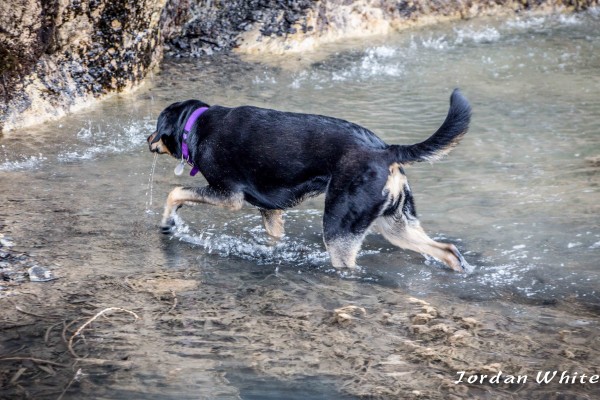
[{"x": 274, "y": 160}]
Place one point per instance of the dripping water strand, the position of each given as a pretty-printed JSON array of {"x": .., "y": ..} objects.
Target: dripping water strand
[{"x": 151, "y": 185}]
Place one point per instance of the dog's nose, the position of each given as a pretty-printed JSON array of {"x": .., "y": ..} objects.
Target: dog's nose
[
  {"x": 152, "y": 142},
  {"x": 151, "y": 146}
]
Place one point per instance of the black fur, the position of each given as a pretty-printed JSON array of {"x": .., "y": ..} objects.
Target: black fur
[{"x": 277, "y": 159}]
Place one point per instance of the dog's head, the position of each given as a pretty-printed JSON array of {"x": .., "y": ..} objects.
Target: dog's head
[{"x": 169, "y": 127}]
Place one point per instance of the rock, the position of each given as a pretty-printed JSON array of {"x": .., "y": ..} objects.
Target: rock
[
  {"x": 49, "y": 50},
  {"x": 5, "y": 242},
  {"x": 346, "y": 314},
  {"x": 421, "y": 319},
  {"x": 273, "y": 26},
  {"x": 58, "y": 55},
  {"x": 40, "y": 274}
]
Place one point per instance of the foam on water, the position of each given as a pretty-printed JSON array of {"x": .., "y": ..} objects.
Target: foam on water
[
  {"x": 436, "y": 43},
  {"x": 482, "y": 35},
  {"x": 571, "y": 19},
  {"x": 375, "y": 62},
  {"x": 23, "y": 163},
  {"x": 526, "y": 23}
]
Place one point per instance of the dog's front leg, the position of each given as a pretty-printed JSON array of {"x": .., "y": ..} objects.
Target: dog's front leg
[
  {"x": 273, "y": 221},
  {"x": 205, "y": 195}
]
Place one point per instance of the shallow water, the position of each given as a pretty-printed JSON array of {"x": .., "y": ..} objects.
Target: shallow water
[{"x": 519, "y": 195}]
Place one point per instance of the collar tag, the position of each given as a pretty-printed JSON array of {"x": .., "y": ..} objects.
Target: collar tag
[{"x": 179, "y": 168}]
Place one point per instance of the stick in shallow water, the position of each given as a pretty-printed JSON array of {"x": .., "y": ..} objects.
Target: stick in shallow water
[{"x": 89, "y": 321}]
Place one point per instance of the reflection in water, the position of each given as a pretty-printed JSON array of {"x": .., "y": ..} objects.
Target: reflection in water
[{"x": 519, "y": 197}]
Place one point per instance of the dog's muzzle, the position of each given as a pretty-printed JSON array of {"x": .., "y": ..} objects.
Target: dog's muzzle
[{"x": 153, "y": 142}]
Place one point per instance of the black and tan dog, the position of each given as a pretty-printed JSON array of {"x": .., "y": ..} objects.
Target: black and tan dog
[{"x": 274, "y": 160}]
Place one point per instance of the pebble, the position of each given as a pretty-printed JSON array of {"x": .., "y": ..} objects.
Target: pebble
[{"x": 40, "y": 274}]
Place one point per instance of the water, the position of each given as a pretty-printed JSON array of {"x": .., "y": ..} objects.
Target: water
[{"x": 519, "y": 195}]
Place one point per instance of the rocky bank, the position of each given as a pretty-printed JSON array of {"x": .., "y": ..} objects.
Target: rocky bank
[{"x": 59, "y": 55}]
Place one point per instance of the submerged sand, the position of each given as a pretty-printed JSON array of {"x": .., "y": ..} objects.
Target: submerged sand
[{"x": 369, "y": 340}]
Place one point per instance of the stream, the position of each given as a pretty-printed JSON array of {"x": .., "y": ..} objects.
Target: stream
[{"x": 226, "y": 312}]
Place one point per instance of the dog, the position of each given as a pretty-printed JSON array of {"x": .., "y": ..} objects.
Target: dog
[{"x": 274, "y": 160}]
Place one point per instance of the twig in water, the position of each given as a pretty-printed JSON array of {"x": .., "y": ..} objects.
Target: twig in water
[
  {"x": 78, "y": 375},
  {"x": 36, "y": 360},
  {"x": 47, "y": 335},
  {"x": 174, "y": 302},
  {"x": 17, "y": 375},
  {"x": 89, "y": 321},
  {"x": 66, "y": 328},
  {"x": 30, "y": 313}
]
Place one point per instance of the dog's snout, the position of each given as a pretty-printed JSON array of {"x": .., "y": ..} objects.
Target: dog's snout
[
  {"x": 152, "y": 142},
  {"x": 151, "y": 138}
]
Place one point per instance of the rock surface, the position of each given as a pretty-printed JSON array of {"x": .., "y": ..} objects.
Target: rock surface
[
  {"x": 275, "y": 26},
  {"x": 57, "y": 55}
]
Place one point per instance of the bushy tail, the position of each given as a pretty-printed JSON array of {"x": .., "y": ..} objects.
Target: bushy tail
[{"x": 444, "y": 139}]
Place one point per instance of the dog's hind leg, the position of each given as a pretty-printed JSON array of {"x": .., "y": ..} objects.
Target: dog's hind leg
[
  {"x": 353, "y": 201},
  {"x": 202, "y": 195},
  {"x": 408, "y": 234},
  {"x": 273, "y": 221}
]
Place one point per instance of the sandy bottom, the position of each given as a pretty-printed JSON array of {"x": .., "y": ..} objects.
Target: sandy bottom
[{"x": 60, "y": 339}]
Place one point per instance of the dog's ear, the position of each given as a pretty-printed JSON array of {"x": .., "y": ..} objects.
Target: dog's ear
[
  {"x": 171, "y": 123},
  {"x": 171, "y": 120}
]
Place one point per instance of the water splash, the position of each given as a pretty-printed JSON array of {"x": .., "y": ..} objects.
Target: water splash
[
  {"x": 25, "y": 163},
  {"x": 246, "y": 238},
  {"x": 374, "y": 63},
  {"x": 526, "y": 23},
  {"x": 485, "y": 35},
  {"x": 253, "y": 244},
  {"x": 106, "y": 139}
]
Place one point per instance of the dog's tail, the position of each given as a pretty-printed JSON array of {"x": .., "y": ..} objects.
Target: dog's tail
[{"x": 444, "y": 139}]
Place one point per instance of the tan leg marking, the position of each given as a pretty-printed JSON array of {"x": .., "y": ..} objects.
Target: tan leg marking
[
  {"x": 408, "y": 234},
  {"x": 273, "y": 221},
  {"x": 395, "y": 182},
  {"x": 204, "y": 195}
]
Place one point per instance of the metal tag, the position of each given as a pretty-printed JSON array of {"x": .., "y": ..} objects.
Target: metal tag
[{"x": 179, "y": 168}]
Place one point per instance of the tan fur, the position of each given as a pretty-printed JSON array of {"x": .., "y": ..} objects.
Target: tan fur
[
  {"x": 180, "y": 196},
  {"x": 159, "y": 145},
  {"x": 408, "y": 234},
  {"x": 273, "y": 221},
  {"x": 443, "y": 152},
  {"x": 394, "y": 184}
]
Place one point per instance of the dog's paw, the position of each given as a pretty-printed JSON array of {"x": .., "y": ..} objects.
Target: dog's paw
[
  {"x": 460, "y": 264},
  {"x": 168, "y": 226}
]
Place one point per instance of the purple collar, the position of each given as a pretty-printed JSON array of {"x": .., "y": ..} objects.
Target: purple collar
[{"x": 184, "y": 146}]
